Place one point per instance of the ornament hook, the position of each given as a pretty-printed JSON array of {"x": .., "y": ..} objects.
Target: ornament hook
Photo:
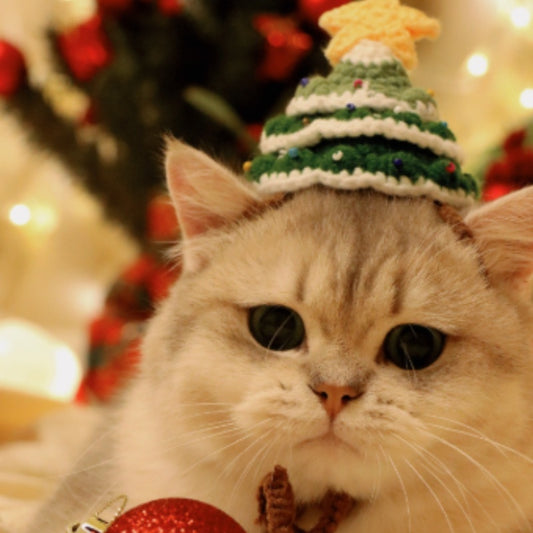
[{"x": 97, "y": 523}]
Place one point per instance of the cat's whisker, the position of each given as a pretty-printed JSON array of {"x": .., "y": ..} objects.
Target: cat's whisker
[
  {"x": 431, "y": 471},
  {"x": 229, "y": 466},
  {"x": 404, "y": 490},
  {"x": 433, "y": 494},
  {"x": 475, "y": 433},
  {"x": 510, "y": 499},
  {"x": 428, "y": 456},
  {"x": 226, "y": 447},
  {"x": 376, "y": 484},
  {"x": 245, "y": 471},
  {"x": 278, "y": 439}
]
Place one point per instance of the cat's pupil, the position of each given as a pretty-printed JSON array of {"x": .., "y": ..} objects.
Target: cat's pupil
[
  {"x": 413, "y": 347},
  {"x": 276, "y": 327}
]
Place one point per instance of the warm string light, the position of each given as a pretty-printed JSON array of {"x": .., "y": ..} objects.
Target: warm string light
[
  {"x": 526, "y": 98},
  {"x": 477, "y": 64},
  {"x": 520, "y": 17},
  {"x": 20, "y": 215},
  {"x": 33, "y": 361},
  {"x": 40, "y": 218}
]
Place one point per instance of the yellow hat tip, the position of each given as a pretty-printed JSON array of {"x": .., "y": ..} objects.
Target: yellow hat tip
[{"x": 386, "y": 21}]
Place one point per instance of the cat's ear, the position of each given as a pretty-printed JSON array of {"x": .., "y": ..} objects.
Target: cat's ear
[
  {"x": 206, "y": 195},
  {"x": 503, "y": 232}
]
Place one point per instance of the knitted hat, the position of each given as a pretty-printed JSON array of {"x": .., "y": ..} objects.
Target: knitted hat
[{"x": 364, "y": 125}]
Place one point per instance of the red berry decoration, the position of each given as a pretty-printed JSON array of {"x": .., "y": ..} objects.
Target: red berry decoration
[
  {"x": 312, "y": 9},
  {"x": 174, "y": 515},
  {"x": 512, "y": 171},
  {"x": 85, "y": 48},
  {"x": 12, "y": 68},
  {"x": 285, "y": 46}
]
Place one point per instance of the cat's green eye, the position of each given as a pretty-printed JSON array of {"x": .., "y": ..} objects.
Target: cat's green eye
[
  {"x": 276, "y": 327},
  {"x": 413, "y": 347}
]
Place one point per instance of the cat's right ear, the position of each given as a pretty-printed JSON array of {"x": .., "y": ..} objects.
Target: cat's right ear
[
  {"x": 503, "y": 232},
  {"x": 206, "y": 195}
]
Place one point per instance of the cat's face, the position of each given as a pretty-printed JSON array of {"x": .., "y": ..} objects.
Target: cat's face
[{"x": 391, "y": 312}]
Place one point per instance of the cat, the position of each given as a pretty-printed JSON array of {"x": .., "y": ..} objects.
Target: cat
[{"x": 364, "y": 342}]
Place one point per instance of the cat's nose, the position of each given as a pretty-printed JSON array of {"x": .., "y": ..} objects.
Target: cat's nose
[{"x": 334, "y": 397}]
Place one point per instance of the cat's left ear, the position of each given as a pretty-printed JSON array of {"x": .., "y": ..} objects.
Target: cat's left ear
[
  {"x": 503, "y": 232},
  {"x": 206, "y": 195}
]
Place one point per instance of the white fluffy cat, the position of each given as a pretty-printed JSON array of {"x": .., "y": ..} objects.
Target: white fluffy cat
[{"x": 354, "y": 338}]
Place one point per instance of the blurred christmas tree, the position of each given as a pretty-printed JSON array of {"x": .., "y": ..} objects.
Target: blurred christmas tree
[{"x": 206, "y": 71}]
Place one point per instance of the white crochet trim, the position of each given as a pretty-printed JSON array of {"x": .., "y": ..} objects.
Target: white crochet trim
[
  {"x": 332, "y": 128},
  {"x": 361, "y": 179},
  {"x": 327, "y": 103},
  {"x": 369, "y": 52}
]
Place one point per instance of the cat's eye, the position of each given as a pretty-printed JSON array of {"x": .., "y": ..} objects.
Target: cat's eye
[
  {"x": 276, "y": 327},
  {"x": 413, "y": 347}
]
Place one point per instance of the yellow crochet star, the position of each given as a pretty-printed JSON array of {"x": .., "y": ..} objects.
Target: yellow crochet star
[{"x": 386, "y": 21}]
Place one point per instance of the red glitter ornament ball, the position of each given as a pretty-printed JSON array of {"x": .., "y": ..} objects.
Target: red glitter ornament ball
[
  {"x": 174, "y": 515},
  {"x": 12, "y": 68}
]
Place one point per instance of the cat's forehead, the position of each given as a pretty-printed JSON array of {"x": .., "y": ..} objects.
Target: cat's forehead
[{"x": 339, "y": 253}]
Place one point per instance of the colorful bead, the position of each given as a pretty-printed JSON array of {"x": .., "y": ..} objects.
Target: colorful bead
[
  {"x": 444, "y": 123},
  {"x": 358, "y": 83},
  {"x": 305, "y": 121},
  {"x": 451, "y": 168},
  {"x": 350, "y": 107},
  {"x": 397, "y": 162},
  {"x": 293, "y": 152},
  {"x": 246, "y": 166},
  {"x": 337, "y": 156},
  {"x": 431, "y": 92},
  {"x": 304, "y": 82}
]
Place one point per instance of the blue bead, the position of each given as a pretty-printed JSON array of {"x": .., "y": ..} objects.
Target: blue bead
[
  {"x": 445, "y": 124},
  {"x": 397, "y": 162},
  {"x": 304, "y": 82},
  {"x": 350, "y": 107},
  {"x": 293, "y": 152}
]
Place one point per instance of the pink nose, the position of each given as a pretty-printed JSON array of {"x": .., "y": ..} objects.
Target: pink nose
[{"x": 334, "y": 398}]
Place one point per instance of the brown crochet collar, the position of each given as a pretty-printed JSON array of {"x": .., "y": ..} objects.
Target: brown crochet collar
[{"x": 278, "y": 512}]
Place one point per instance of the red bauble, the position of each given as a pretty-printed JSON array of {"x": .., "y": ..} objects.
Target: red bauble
[
  {"x": 511, "y": 172},
  {"x": 174, "y": 515},
  {"x": 312, "y": 9},
  {"x": 12, "y": 68},
  {"x": 114, "y": 6},
  {"x": 285, "y": 46},
  {"x": 170, "y": 7},
  {"x": 85, "y": 48}
]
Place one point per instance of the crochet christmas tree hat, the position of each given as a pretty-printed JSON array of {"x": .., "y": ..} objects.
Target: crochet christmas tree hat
[{"x": 364, "y": 125}]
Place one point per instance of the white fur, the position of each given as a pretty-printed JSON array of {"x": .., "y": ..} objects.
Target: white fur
[{"x": 444, "y": 449}]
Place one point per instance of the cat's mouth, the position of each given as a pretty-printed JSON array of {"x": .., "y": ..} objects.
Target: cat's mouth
[{"x": 331, "y": 441}]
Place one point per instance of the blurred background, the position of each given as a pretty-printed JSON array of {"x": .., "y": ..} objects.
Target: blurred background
[{"x": 88, "y": 87}]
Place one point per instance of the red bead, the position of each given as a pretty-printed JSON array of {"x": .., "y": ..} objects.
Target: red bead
[
  {"x": 450, "y": 168},
  {"x": 12, "y": 68},
  {"x": 358, "y": 83},
  {"x": 175, "y": 515}
]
